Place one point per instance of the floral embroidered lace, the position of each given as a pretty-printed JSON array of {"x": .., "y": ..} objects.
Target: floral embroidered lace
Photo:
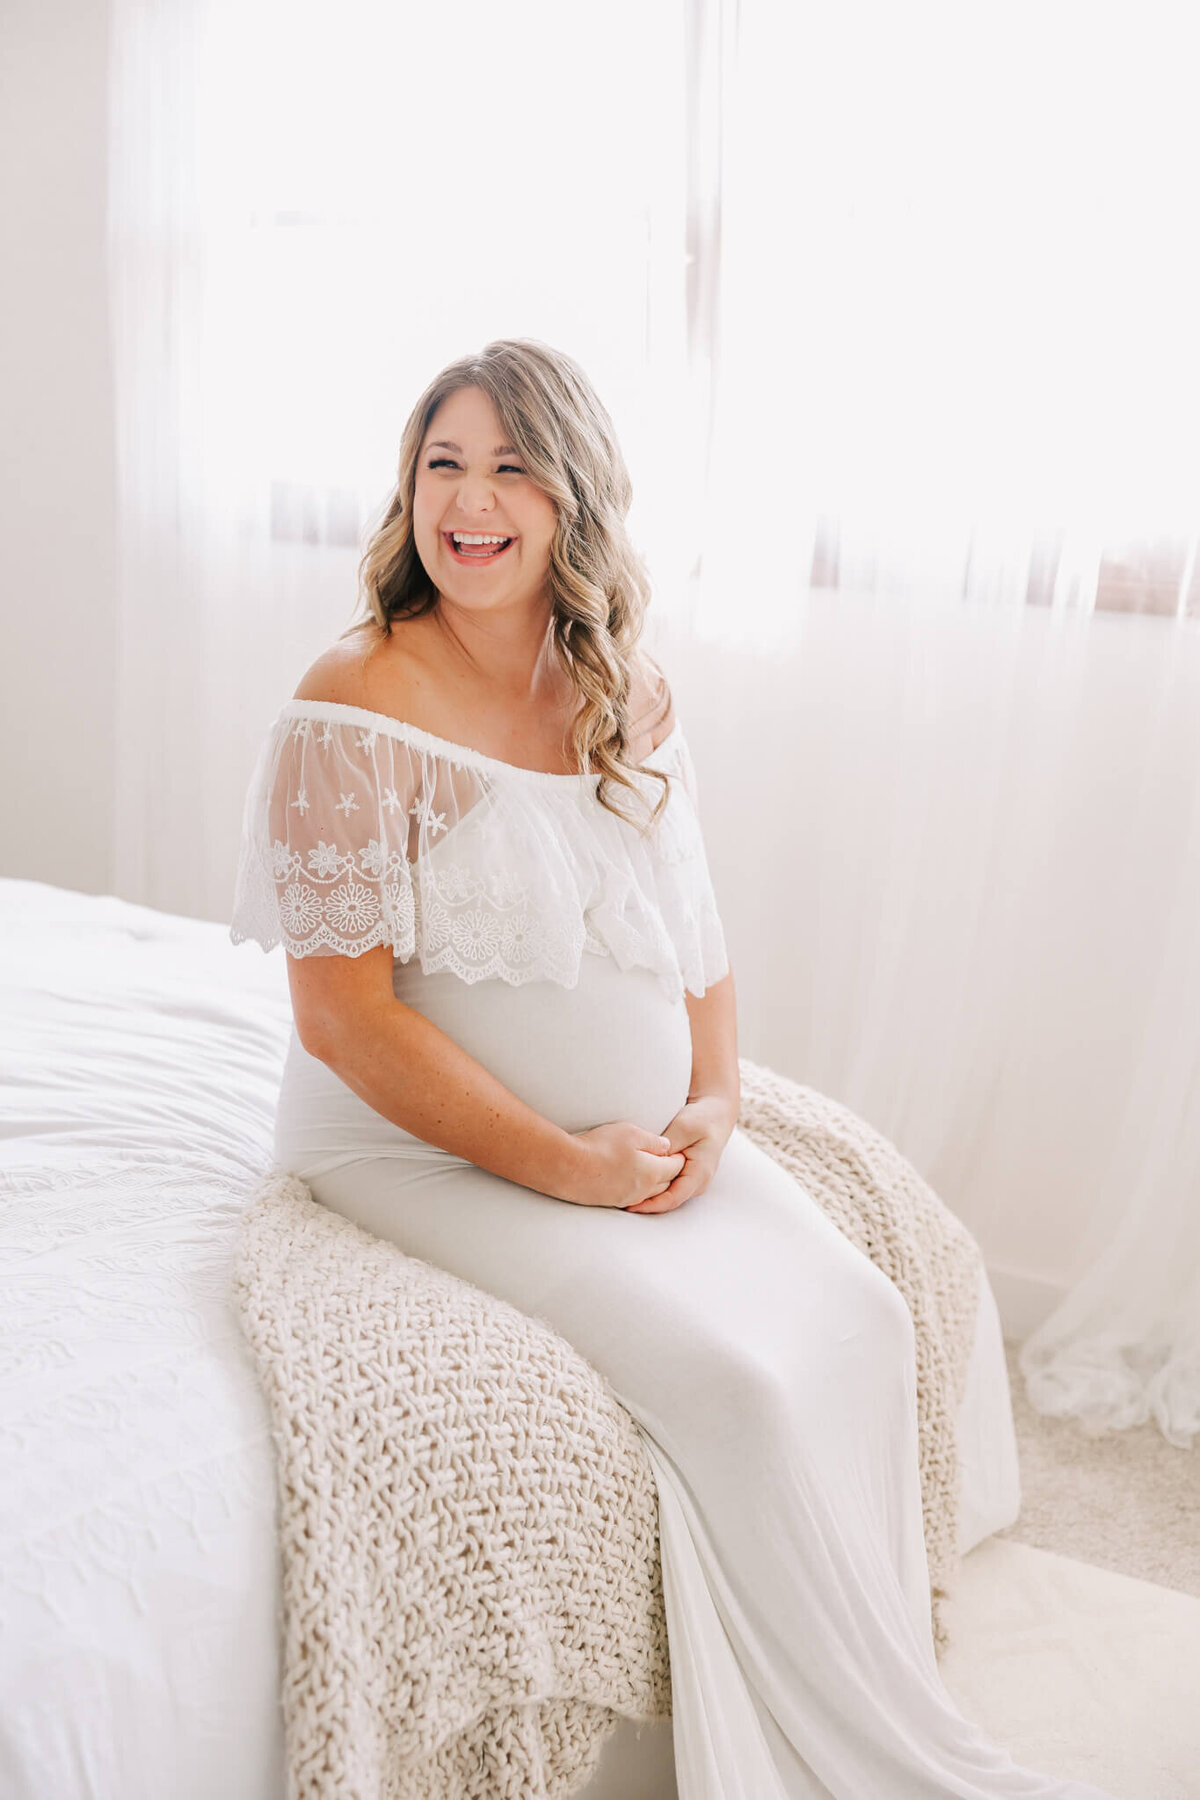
[{"x": 361, "y": 830}]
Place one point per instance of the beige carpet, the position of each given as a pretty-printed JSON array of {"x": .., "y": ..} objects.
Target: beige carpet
[{"x": 1127, "y": 1501}]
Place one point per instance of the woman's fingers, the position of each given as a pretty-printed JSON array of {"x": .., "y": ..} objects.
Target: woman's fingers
[
  {"x": 660, "y": 1203},
  {"x": 663, "y": 1201},
  {"x": 675, "y": 1192}
]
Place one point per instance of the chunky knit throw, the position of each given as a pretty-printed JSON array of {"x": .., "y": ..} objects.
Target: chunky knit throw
[{"x": 471, "y": 1585}]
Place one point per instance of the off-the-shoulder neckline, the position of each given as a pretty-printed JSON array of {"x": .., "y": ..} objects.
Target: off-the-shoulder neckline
[{"x": 460, "y": 754}]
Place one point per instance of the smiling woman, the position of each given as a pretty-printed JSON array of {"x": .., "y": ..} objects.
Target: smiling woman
[
  {"x": 475, "y": 502},
  {"x": 530, "y": 646},
  {"x": 515, "y": 1056}
]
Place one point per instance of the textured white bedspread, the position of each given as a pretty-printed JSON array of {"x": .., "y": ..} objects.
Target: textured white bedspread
[{"x": 140, "y": 1056}]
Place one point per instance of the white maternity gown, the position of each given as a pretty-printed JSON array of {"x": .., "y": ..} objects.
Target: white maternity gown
[{"x": 769, "y": 1365}]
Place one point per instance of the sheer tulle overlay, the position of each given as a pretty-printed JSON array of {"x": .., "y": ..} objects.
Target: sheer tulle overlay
[
  {"x": 362, "y": 830},
  {"x": 768, "y": 1363}
]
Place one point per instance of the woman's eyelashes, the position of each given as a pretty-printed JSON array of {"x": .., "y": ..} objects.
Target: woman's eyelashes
[{"x": 444, "y": 462}]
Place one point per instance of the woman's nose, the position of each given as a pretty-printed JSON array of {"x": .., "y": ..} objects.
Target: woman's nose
[{"x": 476, "y": 494}]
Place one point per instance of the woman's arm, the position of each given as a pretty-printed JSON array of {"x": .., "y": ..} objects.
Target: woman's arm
[
  {"x": 411, "y": 1072},
  {"x": 713, "y": 1017},
  {"x": 704, "y": 1125},
  {"x": 713, "y": 1014}
]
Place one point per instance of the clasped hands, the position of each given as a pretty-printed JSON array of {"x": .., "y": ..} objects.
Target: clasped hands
[{"x": 638, "y": 1172}]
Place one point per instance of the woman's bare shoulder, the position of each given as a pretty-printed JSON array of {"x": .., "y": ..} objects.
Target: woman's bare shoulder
[
  {"x": 651, "y": 708},
  {"x": 347, "y": 673}
]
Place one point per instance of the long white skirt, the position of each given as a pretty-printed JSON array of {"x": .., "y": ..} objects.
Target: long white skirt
[{"x": 770, "y": 1368}]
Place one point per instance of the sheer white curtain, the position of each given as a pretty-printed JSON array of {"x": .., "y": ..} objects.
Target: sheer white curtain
[
  {"x": 892, "y": 313},
  {"x": 311, "y": 213},
  {"x": 954, "y": 335},
  {"x": 955, "y": 394}
]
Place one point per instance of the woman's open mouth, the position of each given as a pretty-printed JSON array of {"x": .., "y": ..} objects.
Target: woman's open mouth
[{"x": 476, "y": 547}]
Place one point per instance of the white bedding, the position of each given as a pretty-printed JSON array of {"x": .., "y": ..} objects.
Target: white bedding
[{"x": 140, "y": 1054}]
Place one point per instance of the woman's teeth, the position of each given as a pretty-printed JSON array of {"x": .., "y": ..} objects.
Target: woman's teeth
[{"x": 477, "y": 547}]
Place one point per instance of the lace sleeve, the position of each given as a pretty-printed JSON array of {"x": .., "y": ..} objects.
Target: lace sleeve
[
  {"x": 335, "y": 814},
  {"x": 363, "y": 830}
]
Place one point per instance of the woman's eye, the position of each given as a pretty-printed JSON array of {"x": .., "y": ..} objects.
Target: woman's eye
[{"x": 444, "y": 462}]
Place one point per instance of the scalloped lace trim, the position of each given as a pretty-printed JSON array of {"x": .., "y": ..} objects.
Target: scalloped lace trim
[
  {"x": 478, "y": 914},
  {"x": 478, "y": 927}
]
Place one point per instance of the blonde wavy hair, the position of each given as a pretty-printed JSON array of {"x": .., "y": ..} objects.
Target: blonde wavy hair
[{"x": 599, "y": 585}]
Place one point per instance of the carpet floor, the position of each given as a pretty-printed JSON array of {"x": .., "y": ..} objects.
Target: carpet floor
[{"x": 1127, "y": 1501}]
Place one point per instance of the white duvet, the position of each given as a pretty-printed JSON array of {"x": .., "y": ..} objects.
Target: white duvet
[{"x": 140, "y": 1055}]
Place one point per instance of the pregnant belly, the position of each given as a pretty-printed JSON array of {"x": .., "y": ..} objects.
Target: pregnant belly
[{"x": 614, "y": 1047}]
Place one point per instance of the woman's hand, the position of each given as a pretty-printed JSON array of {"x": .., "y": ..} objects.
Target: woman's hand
[
  {"x": 621, "y": 1164},
  {"x": 701, "y": 1129}
]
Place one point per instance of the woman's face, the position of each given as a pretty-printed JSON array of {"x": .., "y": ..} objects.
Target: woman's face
[{"x": 470, "y": 481}]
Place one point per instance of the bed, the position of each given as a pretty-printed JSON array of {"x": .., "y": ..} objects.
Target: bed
[{"x": 140, "y": 1053}]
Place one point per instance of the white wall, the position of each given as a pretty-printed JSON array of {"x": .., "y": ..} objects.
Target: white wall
[{"x": 57, "y": 537}]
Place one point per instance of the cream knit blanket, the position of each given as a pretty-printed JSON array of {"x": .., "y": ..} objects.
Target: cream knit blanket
[{"x": 471, "y": 1586}]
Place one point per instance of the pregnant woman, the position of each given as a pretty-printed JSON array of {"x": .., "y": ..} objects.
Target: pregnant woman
[{"x": 514, "y": 1055}]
